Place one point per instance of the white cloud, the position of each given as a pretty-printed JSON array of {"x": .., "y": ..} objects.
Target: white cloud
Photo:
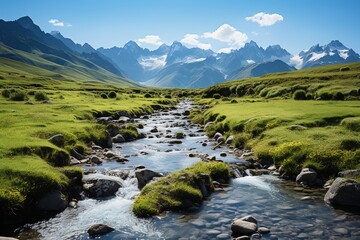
[
  {"x": 265, "y": 19},
  {"x": 150, "y": 39},
  {"x": 152, "y": 63},
  {"x": 192, "y": 40},
  {"x": 225, "y": 50},
  {"x": 228, "y": 34},
  {"x": 56, "y": 23}
]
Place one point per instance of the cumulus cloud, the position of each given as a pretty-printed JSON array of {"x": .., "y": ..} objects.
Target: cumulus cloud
[
  {"x": 228, "y": 34},
  {"x": 56, "y": 22},
  {"x": 150, "y": 39},
  {"x": 265, "y": 19},
  {"x": 192, "y": 40}
]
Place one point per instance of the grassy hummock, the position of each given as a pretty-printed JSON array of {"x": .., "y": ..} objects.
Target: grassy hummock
[{"x": 177, "y": 190}]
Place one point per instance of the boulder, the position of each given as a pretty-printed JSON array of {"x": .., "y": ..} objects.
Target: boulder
[
  {"x": 263, "y": 230},
  {"x": 101, "y": 187},
  {"x": 154, "y": 130},
  {"x": 57, "y": 140},
  {"x": 223, "y": 154},
  {"x": 118, "y": 139},
  {"x": 95, "y": 159},
  {"x": 343, "y": 192},
  {"x": 241, "y": 227},
  {"x": 98, "y": 230},
  {"x": 229, "y": 140},
  {"x": 186, "y": 113},
  {"x": 109, "y": 154},
  {"x": 217, "y": 135},
  {"x": 123, "y": 113},
  {"x": 123, "y": 119},
  {"x": 76, "y": 155},
  {"x": 249, "y": 218},
  {"x": 144, "y": 176},
  {"x": 52, "y": 201},
  {"x": 307, "y": 175}
]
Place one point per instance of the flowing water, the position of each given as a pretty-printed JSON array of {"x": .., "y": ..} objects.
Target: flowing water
[{"x": 290, "y": 211}]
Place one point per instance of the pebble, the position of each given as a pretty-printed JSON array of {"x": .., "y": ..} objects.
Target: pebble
[{"x": 341, "y": 230}]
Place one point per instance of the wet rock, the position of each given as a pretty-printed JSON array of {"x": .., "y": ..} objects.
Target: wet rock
[
  {"x": 95, "y": 160},
  {"x": 249, "y": 218},
  {"x": 204, "y": 144},
  {"x": 263, "y": 230},
  {"x": 96, "y": 188},
  {"x": 259, "y": 172},
  {"x": 74, "y": 161},
  {"x": 343, "y": 192},
  {"x": 104, "y": 120},
  {"x": 8, "y": 238},
  {"x": 175, "y": 142},
  {"x": 124, "y": 113},
  {"x": 307, "y": 176},
  {"x": 217, "y": 135},
  {"x": 109, "y": 154},
  {"x": 123, "y": 119},
  {"x": 52, "y": 201},
  {"x": 57, "y": 140},
  {"x": 229, "y": 140},
  {"x": 98, "y": 230},
  {"x": 154, "y": 130},
  {"x": 118, "y": 139},
  {"x": 144, "y": 176},
  {"x": 223, "y": 154},
  {"x": 73, "y": 203},
  {"x": 243, "y": 238},
  {"x": 240, "y": 227},
  {"x": 272, "y": 168},
  {"x": 95, "y": 147},
  {"x": 186, "y": 113}
]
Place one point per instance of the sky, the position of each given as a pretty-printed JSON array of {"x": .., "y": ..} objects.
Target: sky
[{"x": 219, "y": 25}]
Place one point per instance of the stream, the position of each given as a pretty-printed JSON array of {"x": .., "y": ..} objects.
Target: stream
[{"x": 289, "y": 210}]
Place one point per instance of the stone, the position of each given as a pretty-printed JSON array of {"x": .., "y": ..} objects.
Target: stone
[
  {"x": 204, "y": 144},
  {"x": 220, "y": 140},
  {"x": 249, "y": 218},
  {"x": 343, "y": 192},
  {"x": 98, "y": 230},
  {"x": 57, "y": 140},
  {"x": 229, "y": 140},
  {"x": 52, "y": 201},
  {"x": 144, "y": 176},
  {"x": 223, "y": 154},
  {"x": 118, "y": 139},
  {"x": 259, "y": 172},
  {"x": 109, "y": 154},
  {"x": 123, "y": 119},
  {"x": 341, "y": 230},
  {"x": 95, "y": 160},
  {"x": 186, "y": 113},
  {"x": 175, "y": 142},
  {"x": 350, "y": 173},
  {"x": 240, "y": 227},
  {"x": 217, "y": 135},
  {"x": 124, "y": 113},
  {"x": 243, "y": 238},
  {"x": 307, "y": 176},
  {"x": 8, "y": 238},
  {"x": 104, "y": 120},
  {"x": 76, "y": 155},
  {"x": 154, "y": 130},
  {"x": 297, "y": 127},
  {"x": 96, "y": 188},
  {"x": 74, "y": 161},
  {"x": 263, "y": 230}
]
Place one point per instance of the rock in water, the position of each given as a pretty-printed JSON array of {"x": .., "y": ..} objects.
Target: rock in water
[
  {"x": 240, "y": 227},
  {"x": 144, "y": 176},
  {"x": 57, "y": 140},
  {"x": 101, "y": 187},
  {"x": 118, "y": 139},
  {"x": 97, "y": 230},
  {"x": 229, "y": 140},
  {"x": 343, "y": 192},
  {"x": 53, "y": 201},
  {"x": 307, "y": 175}
]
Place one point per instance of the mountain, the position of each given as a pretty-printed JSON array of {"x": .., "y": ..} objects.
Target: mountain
[
  {"x": 333, "y": 53},
  {"x": 187, "y": 75},
  {"x": 88, "y": 52},
  {"x": 23, "y": 42},
  {"x": 259, "y": 69}
]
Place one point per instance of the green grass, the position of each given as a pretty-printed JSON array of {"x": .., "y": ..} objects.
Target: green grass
[
  {"x": 328, "y": 143},
  {"x": 175, "y": 190}
]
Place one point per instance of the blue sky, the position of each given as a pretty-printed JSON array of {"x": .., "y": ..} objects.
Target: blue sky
[{"x": 215, "y": 24}]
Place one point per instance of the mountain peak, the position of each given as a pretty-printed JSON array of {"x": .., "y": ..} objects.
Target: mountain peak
[
  {"x": 251, "y": 44},
  {"x": 336, "y": 43},
  {"x": 25, "y": 21}
]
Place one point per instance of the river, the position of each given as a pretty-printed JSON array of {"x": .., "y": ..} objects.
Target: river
[{"x": 290, "y": 211}]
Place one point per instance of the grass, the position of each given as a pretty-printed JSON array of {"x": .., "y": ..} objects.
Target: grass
[
  {"x": 327, "y": 141},
  {"x": 175, "y": 191},
  {"x": 29, "y": 164}
]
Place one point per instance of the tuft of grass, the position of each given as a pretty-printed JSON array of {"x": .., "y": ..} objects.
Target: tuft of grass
[{"x": 178, "y": 190}]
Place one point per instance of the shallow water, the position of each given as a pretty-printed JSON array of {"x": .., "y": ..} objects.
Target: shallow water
[{"x": 274, "y": 202}]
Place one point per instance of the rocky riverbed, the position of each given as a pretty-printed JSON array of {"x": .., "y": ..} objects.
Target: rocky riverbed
[{"x": 170, "y": 143}]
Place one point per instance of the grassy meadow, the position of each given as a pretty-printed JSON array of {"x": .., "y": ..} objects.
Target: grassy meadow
[
  {"x": 320, "y": 130},
  {"x": 29, "y": 164}
]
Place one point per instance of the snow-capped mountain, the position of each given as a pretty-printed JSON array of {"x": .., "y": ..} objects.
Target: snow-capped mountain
[{"x": 332, "y": 53}]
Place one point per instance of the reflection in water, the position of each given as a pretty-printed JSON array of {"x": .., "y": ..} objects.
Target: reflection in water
[{"x": 272, "y": 201}]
